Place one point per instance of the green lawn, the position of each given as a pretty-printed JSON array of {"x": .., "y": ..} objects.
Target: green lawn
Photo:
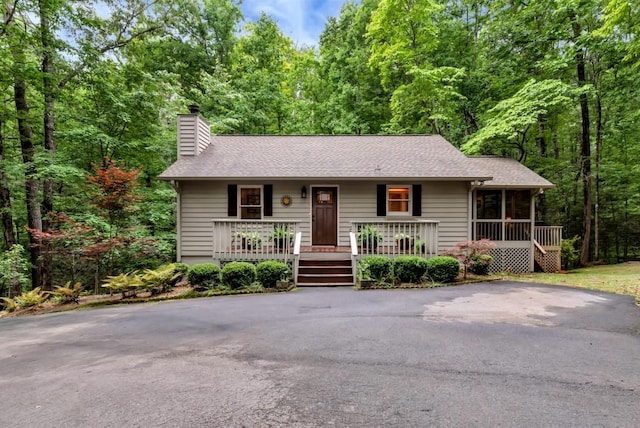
[{"x": 622, "y": 278}]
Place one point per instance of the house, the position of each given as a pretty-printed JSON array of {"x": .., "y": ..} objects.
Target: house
[{"x": 321, "y": 202}]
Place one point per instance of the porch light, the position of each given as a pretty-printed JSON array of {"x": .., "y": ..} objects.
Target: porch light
[{"x": 303, "y": 192}]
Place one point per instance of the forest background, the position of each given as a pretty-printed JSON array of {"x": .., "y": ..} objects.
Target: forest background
[{"x": 91, "y": 90}]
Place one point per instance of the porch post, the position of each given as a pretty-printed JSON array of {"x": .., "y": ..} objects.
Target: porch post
[{"x": 533, "y": 233}]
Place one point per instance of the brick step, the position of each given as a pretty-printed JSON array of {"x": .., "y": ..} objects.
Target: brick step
[
  {"x": 313, "y": 262},
  {"x": 325, "y": 278},
  {"x": 315, "y": 270}
]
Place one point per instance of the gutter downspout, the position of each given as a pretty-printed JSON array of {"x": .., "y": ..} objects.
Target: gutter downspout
[{"x": 176, "y": 187}]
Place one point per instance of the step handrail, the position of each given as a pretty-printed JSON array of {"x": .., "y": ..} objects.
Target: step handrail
[{"x": 296, "y": 256}]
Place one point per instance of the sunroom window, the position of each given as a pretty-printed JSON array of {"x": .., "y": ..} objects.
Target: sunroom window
[
  {"x": 398, "y": 200},
  {"x": 250, "y": 202}
]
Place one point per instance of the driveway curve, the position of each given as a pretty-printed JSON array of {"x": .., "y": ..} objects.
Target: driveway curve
[{"x": 491, "y": 354}]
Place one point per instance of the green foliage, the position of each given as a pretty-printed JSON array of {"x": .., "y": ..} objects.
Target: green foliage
[
  {"x": 161, "y": 279},
  {"x": 480, "y": 264},
  {"x": 8, "y": 304},
  {"x": 31, "y": 298},
  {"x": 369, "y": 237},
  {"x": 250, "y": 240},
  {"x": 569, "y": 255},
  {"x": 124, "y": 283},
  {"x": 204, "y": 275},
  {"x": 238, "y": 274},
  {"x": 269, "y": 272},
  {"x": 14, "y": 271},
  {"x": 410, "y": 269},
  {"x": 443, "y": 269},
  {"x": 378, "y": 268},
  {"x": 68, "y": 292},
  {"x": 181, "y": 268}
]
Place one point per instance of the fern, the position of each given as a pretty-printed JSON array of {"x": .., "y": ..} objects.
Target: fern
[
  {"x": 162, "y": 279},
  {"x": 123, "y": 283},
  {"x": 68, "y": 293},
  {"x": 9, "y": 304},
  {"x": 32, "y": 298}
]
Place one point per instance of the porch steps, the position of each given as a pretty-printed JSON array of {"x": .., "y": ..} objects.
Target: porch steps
[{"x": 315, "y": 272}]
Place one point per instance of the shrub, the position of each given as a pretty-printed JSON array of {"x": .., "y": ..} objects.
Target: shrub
[
  {"x": 409, "y": 268},
  {"x": 269, "y": 272},
  {"x": 473, "y": 255},
  {"x": 443, "y": 268},
  {"x": 181, "y": 268},
  {"x": 238, "y": 274},
  {"x": 568, "y": 253},
  {"x": 124, "y": 282},
  {"x": 204, "y": 276},
  {"x": 161, "y": 279},
  {"x": 376, "y": 267}
]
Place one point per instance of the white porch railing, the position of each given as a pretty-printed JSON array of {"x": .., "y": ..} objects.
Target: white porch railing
[
  {"x": 394, "y": 238},
  {"x": 549, "y": 237},
  {"x": 253, "y": 240},
  {"x": 502, "y": 230}
]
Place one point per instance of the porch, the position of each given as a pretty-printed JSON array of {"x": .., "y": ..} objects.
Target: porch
[{"x": 520, "y": 244}]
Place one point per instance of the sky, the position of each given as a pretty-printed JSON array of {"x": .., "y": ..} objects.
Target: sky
[{"x": 301, "y": 20}]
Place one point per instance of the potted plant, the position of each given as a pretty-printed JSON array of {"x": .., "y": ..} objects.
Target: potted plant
[
  {"x": 419, "y": 246},
  {"x": 369, "y": 237},
  {"x": 250, "y": 240},
  {"x": 403, "y": 241},
  {"x": 282, "y": 237}
]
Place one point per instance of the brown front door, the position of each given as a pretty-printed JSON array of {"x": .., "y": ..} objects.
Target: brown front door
[{"x": 324, "y": 216}]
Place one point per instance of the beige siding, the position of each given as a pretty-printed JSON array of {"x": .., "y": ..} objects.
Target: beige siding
[
  {"x": 187, "y": 133},
  {"x": 203, "y": 136},
  {"x": 204, "y": 201},
  {"x": 448, "y": 203}
]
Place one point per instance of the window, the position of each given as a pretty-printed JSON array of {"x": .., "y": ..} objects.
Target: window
[
  {"x": 489, "y": 204},
  {"x": 250, "y": 202},
  {"x": 518, "y": 204},
  {"x": 398, "y": 200}
]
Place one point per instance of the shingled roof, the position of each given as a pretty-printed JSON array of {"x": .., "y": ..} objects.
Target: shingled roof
[
  {"x": 508, "y": 172},
  {"x": 428, "y": 157},
  {"x": 368, "y": 157}
]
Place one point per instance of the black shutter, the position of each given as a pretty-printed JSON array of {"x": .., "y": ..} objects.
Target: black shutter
[
  {"x": 417, "y": 200},
  {"x": 232, "y": 200},
  {"x": 382, "y": 200},
  {"x": 268, "y": 200}
]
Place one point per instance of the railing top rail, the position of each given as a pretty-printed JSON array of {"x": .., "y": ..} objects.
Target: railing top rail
[
  {"x": 501, "y": 220},
  {"x": 548, "y": 227},
  {"x": 236, "y": 220},
  {"x": 395, "y": 221}
]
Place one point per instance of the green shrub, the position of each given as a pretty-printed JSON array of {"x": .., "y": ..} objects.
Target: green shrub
[
  {"x": 31, "y": 298},
  {"x": 376, "y": 267},
  {"x": 162, "y": 279},
  {"x": 568, "y": 253},
  {"x": 123, "y": 283},
  {"x": 269, "y": 272},
  {"x": 409, "y": 269},
  {"x": 68, "y": 293},
  {"x": 204, "y": 275},
  {"x": 480, "y": 264},
  {"x": 238, "y": 274},
  {"x": 181, "y": 268},
  {"x": 443, "y": 268}
]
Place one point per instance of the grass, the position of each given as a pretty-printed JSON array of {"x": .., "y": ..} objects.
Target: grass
[{"x": 621, "y": 278}]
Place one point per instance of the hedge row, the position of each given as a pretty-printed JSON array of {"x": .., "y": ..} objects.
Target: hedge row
[
  {"x": 411, "y": 269},
  {"x": 237, "y": 275}
]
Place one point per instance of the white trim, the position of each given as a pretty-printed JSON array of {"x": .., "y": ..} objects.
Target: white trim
[
  {"x": 409, "y": 212},
  {"x": 310, "y": 198},
  {"x": 239, "y": 199}
]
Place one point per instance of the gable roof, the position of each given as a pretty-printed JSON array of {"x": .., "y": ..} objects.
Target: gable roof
[
  {"x": 508, "y": 172},
  {"x": 427, "y": 157}
]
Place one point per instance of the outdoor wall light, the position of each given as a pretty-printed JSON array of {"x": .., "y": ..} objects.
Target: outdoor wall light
[{"x": 303, "y": 192}]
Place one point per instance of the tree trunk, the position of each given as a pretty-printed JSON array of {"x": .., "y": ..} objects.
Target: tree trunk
[
  {"x": 585, "y": 147},
  {"x": 48, "y": 126},
  {"x": 596, "y": 228},
  {"x": 26, "y": 144},
  {"x": 6, "y": 216}
]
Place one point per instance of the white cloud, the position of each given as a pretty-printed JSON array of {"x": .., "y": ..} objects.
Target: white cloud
[{"x": 301, "y": 20}]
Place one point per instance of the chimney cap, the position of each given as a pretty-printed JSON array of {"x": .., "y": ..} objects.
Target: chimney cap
[{"x": 194, "y": 108}]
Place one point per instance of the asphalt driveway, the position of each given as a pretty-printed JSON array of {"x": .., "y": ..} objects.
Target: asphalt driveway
[{"x": 498, "y": 354}]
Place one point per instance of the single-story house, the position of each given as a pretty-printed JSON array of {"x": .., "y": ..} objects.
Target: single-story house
[{"x": 319, "y": 202}]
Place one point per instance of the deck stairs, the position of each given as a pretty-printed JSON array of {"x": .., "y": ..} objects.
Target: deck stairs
[{"x": 330, "y": 270}]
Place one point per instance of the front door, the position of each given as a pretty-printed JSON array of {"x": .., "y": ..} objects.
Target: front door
[{"x": 324, "y": 216}]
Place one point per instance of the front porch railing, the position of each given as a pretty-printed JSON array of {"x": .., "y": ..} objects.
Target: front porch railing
[
  {"x": 502, "y": 230},
  {"x": 394, "y": 238},
  {"x": 253, "y": 240}
]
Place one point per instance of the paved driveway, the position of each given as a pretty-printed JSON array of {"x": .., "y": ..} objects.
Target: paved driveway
[{"x": 499, "y": 354}]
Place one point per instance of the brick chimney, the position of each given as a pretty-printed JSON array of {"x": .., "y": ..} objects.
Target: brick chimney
[{"x": 194, "y": 133}]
